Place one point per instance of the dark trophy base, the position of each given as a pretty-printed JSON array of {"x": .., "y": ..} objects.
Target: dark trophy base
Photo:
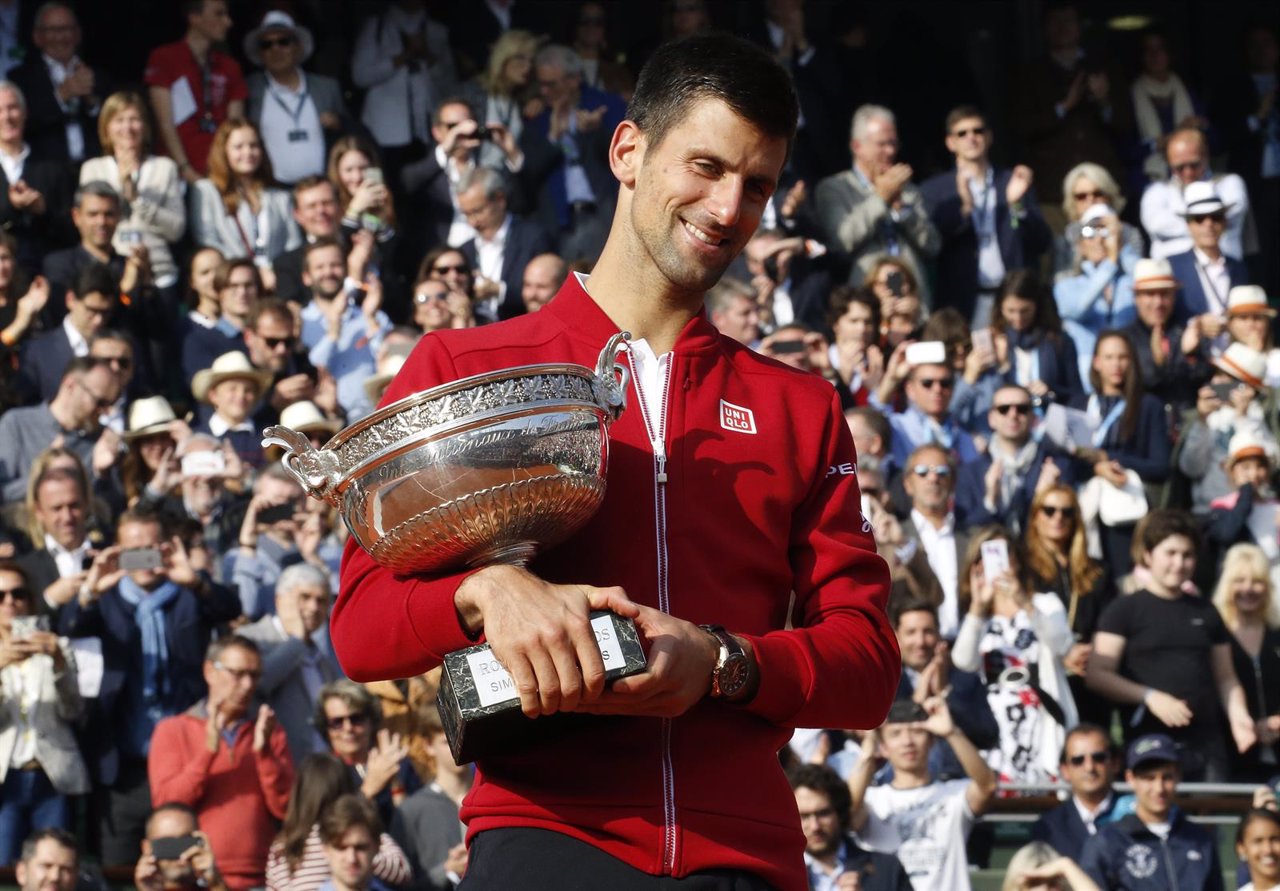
[{"x": 479, "y": 705}]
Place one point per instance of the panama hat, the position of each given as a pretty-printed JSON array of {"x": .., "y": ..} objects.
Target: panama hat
[
  {"x": 278, "y": 21},
  {"x": 148, "y": 417},
  {"x": 305, "y": 416},
  {"x": 229, "y": 366}
]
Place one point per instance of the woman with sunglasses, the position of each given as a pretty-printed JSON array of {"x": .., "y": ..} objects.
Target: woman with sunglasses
[
  {"x": 1245, "y": 596},
  {"x": 350, "y": 718},
  {"x": 1015, "y": 640},
  {"x": 1258, "y": 847},
  {"x": 1084, "y": 186},
  {"x": 1131, "y": 436},
  {"x": 1059, "y": 562},
  {"x": 438, "y": 308},
  {"x": 40, "y": 763},
  {"x": 450, "y": 266}
]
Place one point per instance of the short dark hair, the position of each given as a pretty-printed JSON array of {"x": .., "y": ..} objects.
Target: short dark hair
[
  {"x": 824, "y": 781},
  {"x": 79, "y": 366},
  {"x": 741, "y": 74},
  {"x": 912, "y": 605},
  {"x": 344, "y": 814},
  {"x": 96, "y": 278},
  {"x": 217, "y": 647},
  {"x": 140, "y": 514},
  {"x": 327, "y": 241},
  {"x": 269, "y": 306},
  {"x": 905, "y": 711},
  {"x": 844, "y": 296},
  {"x": 61, "y": 836},
  {"x": 311, "y": 182},
  {"x": 963, "y": 112},
  {"x": 1084, "y": 728},
  {"x": 1163, "y": 523}
]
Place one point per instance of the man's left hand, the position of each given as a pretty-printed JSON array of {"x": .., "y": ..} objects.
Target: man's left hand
[
  {"x": 1019, "y": 182},
  {"x": 681, "y": 659},
  {"x": 262, "y": 728}
]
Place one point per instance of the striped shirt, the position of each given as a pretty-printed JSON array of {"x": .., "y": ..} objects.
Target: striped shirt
[{"x": 389, "y": 865}]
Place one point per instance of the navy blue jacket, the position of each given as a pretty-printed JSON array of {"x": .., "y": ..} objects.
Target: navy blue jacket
[
  {"x": 1126, "y": 856},
  {"x": 526, "y": 239},
  {"x": 1063, "y": 829},
  {"x": 1021, "y": 241},
  {"x": 878, "y": 872},
  {"x": 967, "y": 702},
  {"x": 971, "y": 486},
  {"x": 189, "y": 622},
  {"x": 1148, "y": 451},
  {"x": 1191, "y": 297}
]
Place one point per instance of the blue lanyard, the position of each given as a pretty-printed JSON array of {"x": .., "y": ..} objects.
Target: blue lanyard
[{"x": 1108, "y": 422}]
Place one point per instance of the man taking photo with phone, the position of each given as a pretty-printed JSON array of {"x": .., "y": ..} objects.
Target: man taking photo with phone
[{"x": 175, "y": 854}]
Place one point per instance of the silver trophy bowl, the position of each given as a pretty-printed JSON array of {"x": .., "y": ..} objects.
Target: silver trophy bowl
[{"x": 486, "y": 469}]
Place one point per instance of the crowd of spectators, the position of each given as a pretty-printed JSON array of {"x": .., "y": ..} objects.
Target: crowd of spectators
[{"x": 1058, "y": 373}]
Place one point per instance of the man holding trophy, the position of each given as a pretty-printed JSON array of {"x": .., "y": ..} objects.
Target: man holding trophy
[{"x": 730, "y": 533}]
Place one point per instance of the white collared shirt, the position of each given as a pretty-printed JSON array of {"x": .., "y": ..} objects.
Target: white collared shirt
[
  {"x": 75, "y": 134},
  {"x": 285, "y": 112},
  {"x": 12, "y": 165},
  {"x": 69, "y": 563},
  {"x": 489, "y": 253},
  {"x": 1214, "y": 280},
  {"x": 985, "y": 204},
  {"x": 79, "y": 345},
  {"x": 940, "y": 550},
  {"x": 220, "y": 426},
  {"x": 1088, "y": 817},
  {"x": 819, "y": 878},
  {"x": 784, "y": 310}
]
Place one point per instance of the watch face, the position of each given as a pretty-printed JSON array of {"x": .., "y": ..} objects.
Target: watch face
[{"x": 733, "y": 674}]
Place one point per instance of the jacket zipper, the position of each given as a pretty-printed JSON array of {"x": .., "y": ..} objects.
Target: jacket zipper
[
  {"x": 656, "y": 428},
  {"x": 1168, "y": 865}
]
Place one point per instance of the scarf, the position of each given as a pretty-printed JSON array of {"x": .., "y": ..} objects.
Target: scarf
[
  {"x": 148, "y": 612},
  {"x": 1013, "y": 470},
  {"x": 1146, "y": 89}
]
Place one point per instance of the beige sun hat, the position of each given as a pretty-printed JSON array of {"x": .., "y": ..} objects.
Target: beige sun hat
[
  {"x": 229, "y": 366},
  {"x": 149, "y": 416},
  {"x": 305, "y": 416}
]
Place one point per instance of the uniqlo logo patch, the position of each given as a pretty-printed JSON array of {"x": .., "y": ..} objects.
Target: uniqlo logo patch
[{"x": 736, "y": 418}]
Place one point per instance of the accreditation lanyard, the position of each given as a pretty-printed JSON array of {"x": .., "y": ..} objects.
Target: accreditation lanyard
[
  {"x": 297, "y": 133},
  {"x": 984, "y": 214},
  {"x": 1095, "y": 412}
]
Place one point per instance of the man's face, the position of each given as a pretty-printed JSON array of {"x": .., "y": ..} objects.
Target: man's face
[
  {"x": 171, "y": 824},
  {"x": 278, "y": 491},
  {"x": 1154, "y": 787},
  {"x": 234, "y": 398},
  {"x": 929, "y": 389},
  {"x": 917, "y": 638},
  {"x": 930, "y": 491},
  {"x": 877, "y": 150},
  {"x": 312, "y": 602},
  {"x": 483, "y": 213},
  {"x": 1087, "y": 766},
  {"x": 1010, "y": 415},
  {"x": 541, "y": 281},
  {"x": 819, "y": 822},
  {"x": 438, "y": 748},
  {"x": 450, "y": 115},
  {"x": 1206, "y": 229},
  {"x": 57, "y": 34},
  {"x": 1172, "y": 562},
  {"x": 1187, "y": 158},
  {"x": 270, "y": 343},
  {"x": 558, "y": 89},
  {"x": 52, "y": 867},
  {"x": 62, "y": 512},
  {"x": 969, "y": 140},
  {"x": 759, "y": 248},
  {"x": 279, "y": 50},
  {"x": 325, "y": 272},
  {"x": 317, "y": 211},
  {"x": 232, "y": 680},
  {"x": 741, "y": 320},
  {"x": 697, "y": 197},
  {"x": 212, "y": 21},
  {"x": 351, "y": 859},
  {"x": 201, "y": 494},
  {"x": 89, "y": 314},
  {"x": 238, "y": 297},
  {"x": 1155, "y": 305},
  {"x": 866, "y": 441},
  {"x": 13, "y": 119},
  {"x": 905, "y": 745},
  {"x": 116, "y": 355},
  {"x": 96, "y": 392},
  {"x": 143, "y": 534}
]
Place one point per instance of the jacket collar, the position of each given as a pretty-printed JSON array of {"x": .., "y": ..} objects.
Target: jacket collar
[{"x": 1135, "y": 828}]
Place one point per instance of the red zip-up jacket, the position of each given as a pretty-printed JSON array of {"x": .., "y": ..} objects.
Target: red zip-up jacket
[{"x": 752, "y": 508}]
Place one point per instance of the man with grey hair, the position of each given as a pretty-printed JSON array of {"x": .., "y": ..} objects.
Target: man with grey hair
[
  {"x": 732, "y": 308},
  {"x": 297, "y": 660},
  {"x": 35, "y": 191},
  {"x": 566, "y": 154},
  {"x": 874, "y": 208},
  {"x": 503, "y": 245}
]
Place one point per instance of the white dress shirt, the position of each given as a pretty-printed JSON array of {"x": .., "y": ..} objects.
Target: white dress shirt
[
  {"x": 75, "y": 133},
  {"x": 1163, "y": 207},
  {"x": 79, "y": 345},
  {"x": 13, "y": 165},
  {"x": 940, "y": 550},
  {"x": 1215, "y": 281},
  {"x": 489, "y": 254},
  {"x": 220, "y": 426},
  {"x": 1088, "y": 817},
  {"x": 70, "y": 562}
]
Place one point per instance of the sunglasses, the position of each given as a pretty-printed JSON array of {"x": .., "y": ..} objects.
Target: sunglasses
[
  {"x": 1218, "y": 218},
  {"x": 359, "y": 719},
  {"x": 427, "y": 297},
  {"x": 274, "y": 343},
  {"x": 123, "y": 362},
  {"x": 273, "y": 42},
  {"x": 972, "y": 131},
  {"x": 942, "y": 471},
  {"x": 1095, "y": 757},
  {"x": 1095, "y": 195},
  {"x": 930, "y": 382},
  {"x": 1051, "y": 511},
  {"x": 15, "y": 593},
  {"x": 445, "y": 270},
  {"x": 1021, "y": 408}
]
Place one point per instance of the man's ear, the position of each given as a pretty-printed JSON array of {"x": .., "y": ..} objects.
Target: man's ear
[
  {"x": 71, "y": 295},
  {"x": 626, "y": 152}
]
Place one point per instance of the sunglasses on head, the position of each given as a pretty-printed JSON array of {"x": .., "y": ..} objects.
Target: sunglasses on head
[
  {"x": 267, "y": 43},
  {"x": 942, "y": 471},
  {"x": 1213, "y": 217},
  {"x": 930, "y": 382},
  {"x": 1021, "y": 408},
  {"x": 1095, "y": 757},
  {"x": 1052, "y": 510},
  {"x": 359, "y": 719}
]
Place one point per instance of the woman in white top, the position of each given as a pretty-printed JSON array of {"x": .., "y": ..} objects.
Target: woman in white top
[
  {"x": 1015, "y": 640},
  {"x": 238, "y": 209},
  {"x": 39, "y": 699},
  {"x": 1258, "y": 843},
  {"x": 151, "y": 187}
]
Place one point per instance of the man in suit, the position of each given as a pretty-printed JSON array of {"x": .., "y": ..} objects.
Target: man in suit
[
  {"x": 63, "y": 93},
  {"x": 1088, "y": 766},
  {"x": 58, "y": 568},
  {"x": 35, "y": 191},
  {"x": 1173, "y": 358},
  {"x": 296, "y": 658},
  {"x": 874, "y": 208},
  {"x": 89, "y": 301},
  {"x": 503, "y": 245},
  {"x": 1205, "y": 274},
  {"x": 566, "y": 165},
  {"x": 988, "y": 219},
  {"x": 790, "y": 286},
  {"x": 154, "y": 625},
  {"x": 929, "y": 479}
]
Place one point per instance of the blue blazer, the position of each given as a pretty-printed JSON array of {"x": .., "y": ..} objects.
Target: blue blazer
[
  {"x": 1022, "y": 241},
  {"x": 526, "y": 239},
  {"x": 189, "y": 622},
  {"x": 1062, "y": 828},
  {"x": 44, "y": 359},
  {"x": 1191, "y": 297},
  {"x": 971, "y": 486}
]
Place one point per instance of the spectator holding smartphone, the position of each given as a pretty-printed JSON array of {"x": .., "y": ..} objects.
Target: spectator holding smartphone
[{"x": 175, "y": 854}]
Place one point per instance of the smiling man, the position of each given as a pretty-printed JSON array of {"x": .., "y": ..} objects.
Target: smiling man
[{"x": 729, "y": 487}]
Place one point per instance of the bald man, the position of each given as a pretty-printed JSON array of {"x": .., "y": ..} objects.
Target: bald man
[
  {"x": 543, "y": 276},
  {"x": 1162, "y": 204}
]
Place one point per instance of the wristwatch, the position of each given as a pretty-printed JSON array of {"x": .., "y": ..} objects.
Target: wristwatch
[{"x": 732, "y": 669}]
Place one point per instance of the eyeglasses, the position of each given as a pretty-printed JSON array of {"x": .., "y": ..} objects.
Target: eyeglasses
[
  {"x": 972, "y": 131},
  {"x": 930, "y": 382},
  {"x": 1095, "y": 757},
  {"x": 942, "y": 471},
  {"x": 15, "y": 594},
  {"x": 359, "y": 719},
  {"x": 100, "y": 403},
  {"x": 1052, "y": 510},
  {"x": 426, "y": 297},
  {"x": 1095, "y": 195},
  {"x": 1188, "y": 165},
  {"x": 1219, "y": 218},
  {"x": 274, "y": 343},
  {"x": 267, "y": 43},
  {"x": 1022, "y": 408},
  {"x": 446, "y": 270},
  {"x": 240, "y": 674}
]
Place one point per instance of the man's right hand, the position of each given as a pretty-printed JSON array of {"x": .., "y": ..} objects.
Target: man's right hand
[
  {"x": 541, "y": 633},
  {"x": 291, "y": 389},
  {"x": 456, "y": 862},
  {"x": 63, "y": 591},
  {"x": 889, "y": 183},
  {"x": 146, "y": 874}
]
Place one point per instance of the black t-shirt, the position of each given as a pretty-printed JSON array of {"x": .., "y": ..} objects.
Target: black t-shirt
[{"x": 1168, "y": 647}]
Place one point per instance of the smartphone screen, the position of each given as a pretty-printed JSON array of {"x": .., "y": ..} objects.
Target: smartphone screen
[{"x": 138, "y": 559}]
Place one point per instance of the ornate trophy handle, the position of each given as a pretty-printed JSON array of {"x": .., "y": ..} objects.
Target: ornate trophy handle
[
  {"x": 612, "y": 377},
  {"x": 316, "y": 470}
]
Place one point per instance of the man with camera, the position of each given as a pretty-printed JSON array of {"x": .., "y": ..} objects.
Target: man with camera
[
  {"x": 790, "y": 278},
  {"x": 176, "y": 855}
]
